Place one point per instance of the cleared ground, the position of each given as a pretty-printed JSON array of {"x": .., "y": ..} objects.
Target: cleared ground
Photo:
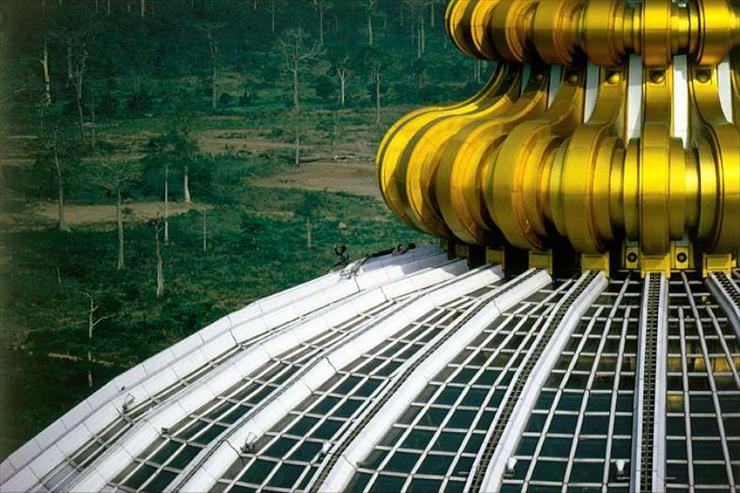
[
  {"x": 356, "y": 178},
  {"x": 46, "y": 213}
]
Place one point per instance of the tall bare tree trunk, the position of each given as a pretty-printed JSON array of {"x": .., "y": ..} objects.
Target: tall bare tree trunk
[
  {"x": 94, "y": 128},
  {"x": 433, "y": 14},
  {"x": 213, "y": 49},
  {"x": 92, "y": 322},
  {"x": 335, "y": 118},
  {"x": 274, "y": 26},
  {"x": 342, "y": 74},
  {"x": 166, "y": 204},
  {"x": 205, "y": 230},
  {"x": 308, "y": 234},
  {"x": 186, "y": 185},
  {"x": 90, "y": 328},
  {"x": 297, "y": 156},
  {"x": 321, "y": 25},
  {"x": 89, "y": 369},
  {"x": 377, "y": 97},
  {"x": 369, "y": 29},
  {"x": 142, "y": 7},
  {"x": 413, "y": 30},
  {"x": 108, "y": 8},
  {"x": 46, "y": 99},
  {"x": 78, "y": 77},
  {"x": 418, "y": 41},
  {"x": 296, "y": 100},
  {"x": 81, "y": 115},
  {"x": 214, "y": 99},
  {"x": 160, "y": 267},
  {"x": 344, "y": 91},
  {"x": 69, "y": 62},
  {"x": 119, "y": 224},
  {"x": 137, "y": 83},
  {"x": 60, "y": 188}
]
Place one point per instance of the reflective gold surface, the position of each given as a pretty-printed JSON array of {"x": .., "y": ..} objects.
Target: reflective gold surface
[
  {"x": 529, "y": 31},
  {"x": 587, "y": 151}
]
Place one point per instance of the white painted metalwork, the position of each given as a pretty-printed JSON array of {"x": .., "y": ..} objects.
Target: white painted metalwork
[
  {"x": 634, "y": 98},
  {"x": 593, "y": 73},
  {"x": 724, "y": 83},
  {"x": 556, "y": 73},
  {"x": 67, "y": 435},
  {"x": 244, "y": 363},
  {"x": 260, "y": 422},
  {"x": 346, "y": 465},
  {"x": 727, "y": 293},
  {"x": 680, "y": 99},
  {"x": 649, "y": 422},
  {"x": 517, "y": 421},
  {"x": 326, "y": 367}
]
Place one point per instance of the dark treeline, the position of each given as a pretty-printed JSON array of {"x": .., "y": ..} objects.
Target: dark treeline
[{"x": 105, "y": 58}]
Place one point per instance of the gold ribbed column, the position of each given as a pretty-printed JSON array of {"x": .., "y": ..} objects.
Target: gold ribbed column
[{"x": 525, "y": 163}]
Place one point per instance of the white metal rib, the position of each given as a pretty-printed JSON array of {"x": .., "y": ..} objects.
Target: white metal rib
[
  {"x": 191, "y": 468},
  {"x": 712, "y": 383},
  {"x": 523, "y": 408},
  {"x": 556, "y": 73},
  {"x": 593, "y": 73},
  {"x": 724, "y": 85},
  {"x": 634, "y": 98},
  {"x": 556, "y": 401},
  {"x": 658, "y": 448},
  {"x": 341, "y": 474},
  {"x": 724, "y": 299},
  {"x": 615, "y": 395},
  {"x": 592, "y": 376},
  {"x": 260, "y": 421},
  {"x": 686, "y": 400},
  {"x": 680, "y": 98},
  {"x": 518, "y": 351},
  {"x": 243, "y": 362},
  {"x": 50, "y": 448}
]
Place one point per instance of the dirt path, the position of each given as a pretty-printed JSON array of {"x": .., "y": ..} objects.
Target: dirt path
[
  {"x": 357, "y": 178},
  {"x": 77, "y": 215}
]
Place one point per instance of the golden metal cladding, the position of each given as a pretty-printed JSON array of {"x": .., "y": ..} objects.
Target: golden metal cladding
[
  {"x": 604, "y": 31},
  {"x": 629, "y": 138}
]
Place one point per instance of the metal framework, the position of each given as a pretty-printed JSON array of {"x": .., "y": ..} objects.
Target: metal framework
[
  {"x": 421, "y": 372},
  {"x": 425, "y": 375}
]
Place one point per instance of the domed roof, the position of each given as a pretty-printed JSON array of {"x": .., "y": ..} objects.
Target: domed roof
[{"x": 415, "y": 372}]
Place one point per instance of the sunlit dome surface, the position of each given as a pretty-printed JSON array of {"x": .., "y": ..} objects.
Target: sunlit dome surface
[{"x": 415, "y": 372}]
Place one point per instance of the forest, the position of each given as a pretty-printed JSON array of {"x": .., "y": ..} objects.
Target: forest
[{"x": 165, "y": 162}]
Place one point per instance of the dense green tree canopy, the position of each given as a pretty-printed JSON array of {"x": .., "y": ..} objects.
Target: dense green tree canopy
[{"x": 126, "y": 49}]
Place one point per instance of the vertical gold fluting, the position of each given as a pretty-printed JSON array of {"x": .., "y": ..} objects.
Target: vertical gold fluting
[
  {"x": 605, "y": 31},
  {"x": 574, "y": 152}
]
